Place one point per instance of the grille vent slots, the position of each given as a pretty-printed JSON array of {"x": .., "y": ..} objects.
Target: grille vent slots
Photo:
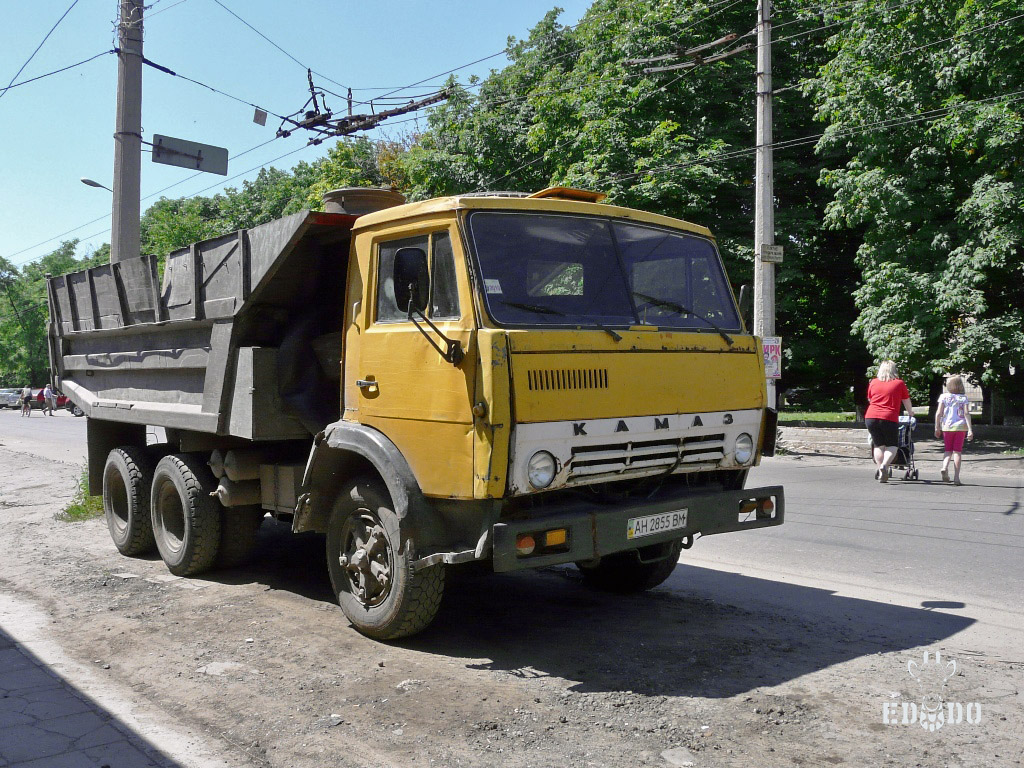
[{"x": 567, "y": 379}]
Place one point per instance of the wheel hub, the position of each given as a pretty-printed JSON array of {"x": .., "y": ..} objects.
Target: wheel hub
[{"x": 367, "y": 560}]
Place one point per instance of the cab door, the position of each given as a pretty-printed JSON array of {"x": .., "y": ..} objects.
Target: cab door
[{"x": 398, "y": 382}]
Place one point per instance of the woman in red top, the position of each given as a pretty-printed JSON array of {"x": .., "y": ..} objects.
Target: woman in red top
[{"x": 885, "y": 395}]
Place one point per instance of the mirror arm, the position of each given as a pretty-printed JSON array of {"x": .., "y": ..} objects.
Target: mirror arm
[{"x": 453, "y": 354}]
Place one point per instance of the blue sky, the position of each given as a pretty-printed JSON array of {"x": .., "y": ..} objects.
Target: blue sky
[{"x": 58, "y": 129}]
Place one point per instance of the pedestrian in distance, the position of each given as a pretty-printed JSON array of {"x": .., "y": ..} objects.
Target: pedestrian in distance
[
  {"x": 953, "y": 425},
  {"x": 886, "y": 393},
  {"x": 26, "y": 401},
  {"x": 49, "y": 400}
]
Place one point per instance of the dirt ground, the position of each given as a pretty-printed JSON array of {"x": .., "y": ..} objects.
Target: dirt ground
[{"x": 524, "y": 670}]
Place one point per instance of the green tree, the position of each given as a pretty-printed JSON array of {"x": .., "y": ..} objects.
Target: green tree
[
  {"x": 24, "y": 358},
  {"x": 171, "y": 224},
  {"x": 272, "y": 194},
  {"x": 357, "y": 162},
  {"x": 937, "y": 190}
]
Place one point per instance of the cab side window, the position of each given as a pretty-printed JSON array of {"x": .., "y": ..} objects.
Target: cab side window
[
  {"x": 388, "y": 310},
  {"x": 444, "y": 297},
  {"x": 444, "y": 289}
]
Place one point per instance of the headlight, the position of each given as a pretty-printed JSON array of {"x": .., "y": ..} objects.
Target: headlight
[
  {"x": 744, "y": 448},
  {"x": 541, "y": 469}
]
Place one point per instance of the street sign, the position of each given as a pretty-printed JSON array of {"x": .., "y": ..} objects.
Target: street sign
[
  {"x": 770, "y": 254},
  {"x": 772, "y": 357},
  {"x": 190, "y": 154}
]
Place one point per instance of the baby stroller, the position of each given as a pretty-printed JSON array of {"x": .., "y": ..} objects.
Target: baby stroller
[{"x": 904, "y": 458}]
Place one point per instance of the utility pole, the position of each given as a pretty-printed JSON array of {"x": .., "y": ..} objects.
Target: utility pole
[
  {"x": 124, "y": 219},
  {"x": 764, "y": 194}
]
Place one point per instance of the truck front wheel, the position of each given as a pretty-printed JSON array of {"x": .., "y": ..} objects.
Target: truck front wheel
[
  {"x": 371, "y": 568},
  {"x": 186, "y": 519},
  {"x": 127, "y": 476},
  {"x": 626, "y": 572}
]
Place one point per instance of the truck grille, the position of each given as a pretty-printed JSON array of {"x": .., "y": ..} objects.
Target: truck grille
[
  {"x": 567, "y": 378},
  {"x": 645, "y": 457}
]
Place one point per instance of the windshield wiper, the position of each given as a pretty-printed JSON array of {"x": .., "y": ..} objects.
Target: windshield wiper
[
  {"x": 540, "y": 309},
  {"x": 679, "y": 308}
]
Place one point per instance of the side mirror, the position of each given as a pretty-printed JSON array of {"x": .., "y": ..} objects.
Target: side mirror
[
  {"x": 412, "y": 280},
  {"x": 746, "y": 305}
]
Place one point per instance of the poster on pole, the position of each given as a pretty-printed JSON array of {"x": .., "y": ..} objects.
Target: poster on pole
[{"x": 772, "y": 357}]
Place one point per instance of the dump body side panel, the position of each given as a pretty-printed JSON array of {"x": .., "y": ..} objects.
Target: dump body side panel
[{"x": 243, "y": 334}]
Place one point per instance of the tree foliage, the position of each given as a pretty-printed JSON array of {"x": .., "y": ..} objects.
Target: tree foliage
[
  {"x": 24, "y": 312},
  {"x": 918, "y": 97}
]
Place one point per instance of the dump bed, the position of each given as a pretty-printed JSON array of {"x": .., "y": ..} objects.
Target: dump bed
[{"x": 242, "y": 338}]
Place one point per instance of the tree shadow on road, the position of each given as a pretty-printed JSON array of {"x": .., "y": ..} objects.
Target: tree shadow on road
[
  {"x": 284, "y": 561},
  {"x": 687, "y": 637},
  {"x": 673, "y": 640}
]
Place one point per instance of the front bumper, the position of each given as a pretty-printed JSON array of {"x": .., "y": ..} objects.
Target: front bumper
[{"x": 597, "y": 530}]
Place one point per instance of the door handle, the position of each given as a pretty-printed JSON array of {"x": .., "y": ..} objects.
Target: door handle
[{"x": 365, "y": 384}]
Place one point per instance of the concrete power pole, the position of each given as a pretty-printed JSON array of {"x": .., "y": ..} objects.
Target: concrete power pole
[
  {"x": 124, "y": 219},
  {"x": 764, "y": 205}
]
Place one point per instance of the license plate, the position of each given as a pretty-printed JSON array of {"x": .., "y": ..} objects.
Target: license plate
[{"x": 638, "y": 527}]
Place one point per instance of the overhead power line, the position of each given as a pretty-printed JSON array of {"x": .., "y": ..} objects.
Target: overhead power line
[
  {"x": 884, "y": 9},
  {"x": 278, "y": 47},
  {"x": 906, "y": 119},
  {"x": 172, "y": 73},
  {"x": 642, "y": 99},
  {"x": 505, "y": 51},
  {"x": 55, "y": 72},
  {"x": 150, "y": 16},
  {"x": 198, "y": 192},
  {"x": 822, "y": 10},
  {"x": 45, "y": 38},
  {"x": 965, "y": 33},
  {"x": 107, "y": 215}
]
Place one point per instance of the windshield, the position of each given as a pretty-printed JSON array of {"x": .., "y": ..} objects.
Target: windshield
[{"x": 551, "y": 269}]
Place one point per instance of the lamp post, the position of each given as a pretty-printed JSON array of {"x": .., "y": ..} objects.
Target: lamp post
[{"x": 91, "y": 183}]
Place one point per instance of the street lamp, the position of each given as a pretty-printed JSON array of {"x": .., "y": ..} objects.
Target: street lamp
[{"x": 91, "y": 183}]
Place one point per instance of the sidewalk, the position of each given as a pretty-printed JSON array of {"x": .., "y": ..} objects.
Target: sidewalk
[
  {"x": 56, "y": 713},
  {"x": 986, "y": 455}
]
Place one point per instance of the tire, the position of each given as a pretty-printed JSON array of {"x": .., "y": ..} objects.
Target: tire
[
  {"x": 238, "y": 529},
  {"x": 186, "y": 519},
  {"x": 625, "y": 573},
  {"x": 401, "y": 603},
  {"x": 127, "y": 477}
]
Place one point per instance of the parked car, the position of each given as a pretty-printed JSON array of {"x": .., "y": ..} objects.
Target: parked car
[
  {"x": 64, "y": 402},
  {"x": 10, "y": 398}
]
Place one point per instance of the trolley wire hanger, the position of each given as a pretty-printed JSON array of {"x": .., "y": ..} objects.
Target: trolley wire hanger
[{"x": 323, "y": 123}]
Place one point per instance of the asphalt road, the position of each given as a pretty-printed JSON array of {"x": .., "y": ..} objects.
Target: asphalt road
[
  {"x": 850, "y": 547},
  {"x": 856, "y": 545}
]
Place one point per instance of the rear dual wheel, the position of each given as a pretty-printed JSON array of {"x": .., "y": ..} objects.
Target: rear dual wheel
[
  {"x": 127, "y": 476},
  {"x": 186, "y": 519}
]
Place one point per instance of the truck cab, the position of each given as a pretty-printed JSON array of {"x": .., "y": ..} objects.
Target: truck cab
[{"x": 604, "y": 405}]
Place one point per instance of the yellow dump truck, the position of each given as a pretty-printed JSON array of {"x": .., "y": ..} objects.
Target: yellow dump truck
[{"x": 523, "y": 381}]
